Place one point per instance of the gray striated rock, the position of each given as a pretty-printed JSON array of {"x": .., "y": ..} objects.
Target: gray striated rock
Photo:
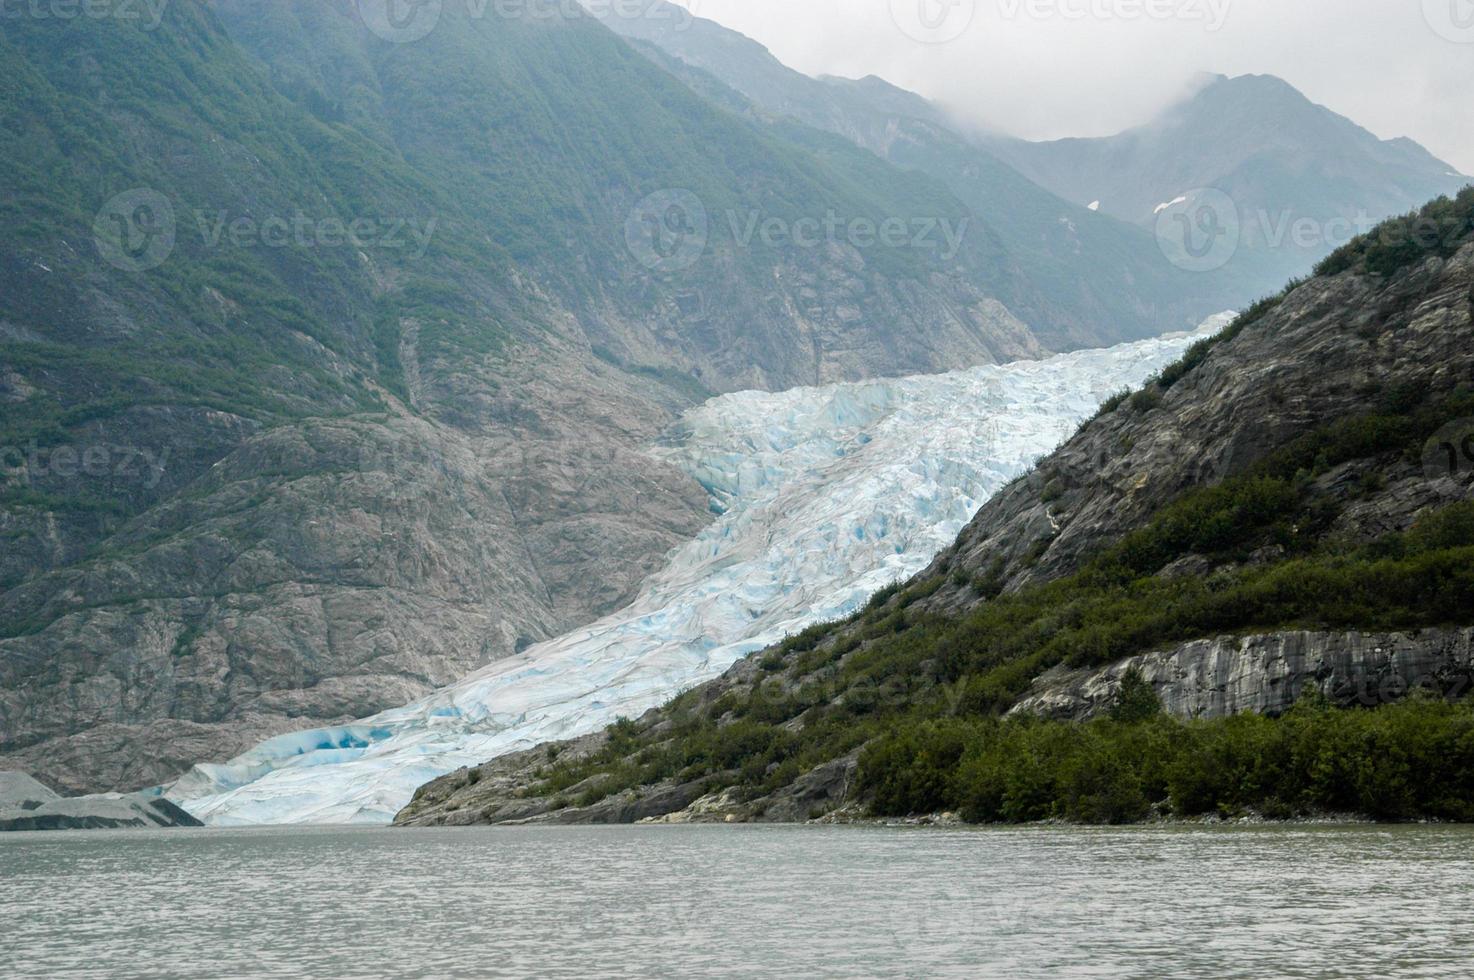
[
  {"x": 1268, "y": 673},
  {"x": 18, "y": 791},
  {"x": 110, "y": 811},
  {"x": 26, "y": 804},
  {"x": 330, "y": 569}
]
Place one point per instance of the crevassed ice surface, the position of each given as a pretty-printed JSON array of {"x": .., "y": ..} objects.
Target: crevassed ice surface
[{"x": 824, "y": 495}]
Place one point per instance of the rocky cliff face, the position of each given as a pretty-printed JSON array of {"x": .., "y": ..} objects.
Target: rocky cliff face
[
  {"x": 1268, "y": 673},
  {"x": 323, "y": 571},
  {"x": 1334, "y": 347}
]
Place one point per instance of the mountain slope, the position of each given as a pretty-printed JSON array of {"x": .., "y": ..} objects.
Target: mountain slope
[
  {"x": 329, "y": 365},
  {"x": 1298, "y": 480},
  {"x": 553, "y": 132},
  {"x": 1253, "y": 136},
  {"x": 1277, "y": 156},
  {"x": 1101, "y": 281}
]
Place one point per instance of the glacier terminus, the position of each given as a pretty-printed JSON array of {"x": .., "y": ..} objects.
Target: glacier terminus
[{"x": 823, "y": 495}]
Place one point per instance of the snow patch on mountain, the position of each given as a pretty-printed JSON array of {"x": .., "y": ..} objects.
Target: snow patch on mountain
[{"x": 824, "y": 495}]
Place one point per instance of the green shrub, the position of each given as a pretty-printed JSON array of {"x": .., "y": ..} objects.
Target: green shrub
[
  {"x": 1146, "y": 399},
  {"x": 1404, "y": 761},
  {"x": 1439, "y": 230},
  {"x": 1137, "y": 700}
]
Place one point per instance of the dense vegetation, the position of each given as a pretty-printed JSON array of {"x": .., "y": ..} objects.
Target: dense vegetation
[
  {"x": 1438, "y": 230},
  {"x": 268, "y": 331},
  {"x": 898, "y": 673},
  {"x": 1410, "y": 760}
]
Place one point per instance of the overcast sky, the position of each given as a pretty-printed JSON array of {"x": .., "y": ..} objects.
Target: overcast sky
[{"x": 1049, "y": 68}]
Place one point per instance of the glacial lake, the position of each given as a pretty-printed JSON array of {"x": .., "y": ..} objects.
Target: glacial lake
[{"x": 744, "y": 901}]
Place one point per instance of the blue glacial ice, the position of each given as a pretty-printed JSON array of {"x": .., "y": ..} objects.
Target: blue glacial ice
[{"x": 823, "y": 496}]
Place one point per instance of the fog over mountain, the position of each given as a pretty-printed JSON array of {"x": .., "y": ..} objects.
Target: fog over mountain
[{"x": 1046, "y": 69}]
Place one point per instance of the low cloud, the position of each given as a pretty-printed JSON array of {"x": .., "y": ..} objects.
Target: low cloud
[{"x": 1043, "y": 69}]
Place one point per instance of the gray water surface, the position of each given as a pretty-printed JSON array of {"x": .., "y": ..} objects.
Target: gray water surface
[{"x": 740, "y": 901}]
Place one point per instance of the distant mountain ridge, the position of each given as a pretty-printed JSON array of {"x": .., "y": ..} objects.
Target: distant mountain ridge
[
  {"x": 1278, "y": 157},
  {"x": 1250, "y": 156},
  {"x": 1254, "y": 136},
  {"x": 1096, "y": 280}
]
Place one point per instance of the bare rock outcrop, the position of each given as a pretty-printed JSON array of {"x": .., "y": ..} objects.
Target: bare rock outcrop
[{"x": 1268, "y": 673}]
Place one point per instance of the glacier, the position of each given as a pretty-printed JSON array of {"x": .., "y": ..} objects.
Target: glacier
[{"x": 823, "y": 495}]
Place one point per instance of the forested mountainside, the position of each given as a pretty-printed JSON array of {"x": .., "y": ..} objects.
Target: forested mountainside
[
  {"x": 1287, "y": 513},
  {"x": 329, "y": 362}
]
